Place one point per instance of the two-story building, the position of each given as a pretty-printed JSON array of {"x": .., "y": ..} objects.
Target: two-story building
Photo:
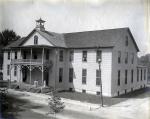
[{"x": 69, "y": 61}]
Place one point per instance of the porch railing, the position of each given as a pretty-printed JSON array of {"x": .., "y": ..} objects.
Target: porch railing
[{"x": 31, "y": 61}]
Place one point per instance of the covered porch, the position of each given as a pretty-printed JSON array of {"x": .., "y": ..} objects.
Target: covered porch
[{"x": 34, "y": 65}]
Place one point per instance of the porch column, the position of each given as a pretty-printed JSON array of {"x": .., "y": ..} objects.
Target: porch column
[
  {"x": 30, "y": 65},
  {"x": 43, "y": 67},
  {"x": 10, "y": 68}
]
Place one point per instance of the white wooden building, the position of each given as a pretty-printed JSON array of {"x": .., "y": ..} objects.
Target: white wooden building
[{"x": 68, "y": 61}]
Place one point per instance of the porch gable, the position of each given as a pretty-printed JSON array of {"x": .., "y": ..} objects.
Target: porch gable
[{"x": 37, "y": 39}]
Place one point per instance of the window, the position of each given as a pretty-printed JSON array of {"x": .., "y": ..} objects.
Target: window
[
  {"x": 70, "y": 89},
  {"x": 118, "y": 93},
  {"x": 24, "y": 55},
  {"x": 126, "y": 58},
  {"x": 84, "y": 73},
  {"x": 126, "y": 75},
  {"x": 131, "y": 89},
  {"x": 47, "y": 54},
  {"x": 118, "y": 77},
  {"x": 98, "y": 77},
  {"x": 125, "y": 91},
  {"x": 61, "y": 55},
  {"x": 132, "y": 60},
  {"x": 141, "y": 74},
  {"x": 119, "y": 57},
  {"x": 132, "y": 76},
  {"x": 60, "y": 74},
  {"x": 15, "y": 55},
  {"x": 71, "y": 54},
  {"x": 144, "y": 74},
  {"x": 8, "y": 69},
  {"x": 70, "y": 75},
  {"x": 15, "y": 71},
  {"x": 84, "y": 56},
  {"x": 35, "y": 55},
  {"x": 97, "y": 93},
  {"x": 126, "y": 42},
  {"x": 137, "y": 75},
  {"x": 8, "y": 56},
  {"x": 35, "y": 40},
  {"x": 83, "y": 91},
  {"x": 98, "y": 55}
]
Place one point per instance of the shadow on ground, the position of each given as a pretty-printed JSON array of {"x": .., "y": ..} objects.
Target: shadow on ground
[{"x": 16, "y": 108}]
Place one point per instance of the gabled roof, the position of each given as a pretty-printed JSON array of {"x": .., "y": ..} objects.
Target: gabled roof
[
  {"x": 86, "y": 39},
  {"x": 101, "y": 38}
]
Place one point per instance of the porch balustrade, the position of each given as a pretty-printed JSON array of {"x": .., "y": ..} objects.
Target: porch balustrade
[{"x": 30, "y": 62}]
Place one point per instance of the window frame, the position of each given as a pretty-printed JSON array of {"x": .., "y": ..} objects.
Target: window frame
[
  {"x": 126, "y": 57},
  {"x": 84, "y": 56},
  {"x": 84, "y": 76},
  {"x": 119, "y": 57},
  {"x": 71, "y": 75},
  {"x": 15, "y": 70},
  {"x": 71, "y": 56},
  {"x": 126, "y": 76},
  {"x": 15, "y": 55},
  {"x": 8, "y": 55},
  {"x": 8, "y": 70},
  {"x": 119, "y": 73},
  {"x": 60, "y": 75},
  {"x": 61, "y": 55},
  {"x": 36, "y": 40},
  {"x": 132, "y": 75},
  {"x": 98, "y": 55}
]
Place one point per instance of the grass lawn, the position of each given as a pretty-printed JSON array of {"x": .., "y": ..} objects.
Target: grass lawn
[{"x": 83, "y": 97}]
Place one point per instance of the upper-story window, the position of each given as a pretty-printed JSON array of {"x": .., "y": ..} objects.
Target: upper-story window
[
  {"x": 8, "y": 57},
  {"x": 98, "y": 55},
  {"x": 35, "y": 40},
  {"x": 132, "y": 60},
  {"x": 24, "y": 55},
  {"x": 71, "y": 56},
  {"x": 126, "y": 41},
  {"x": 35, "y": 55},
  {"x": 126, "y": 57},
  {"x": 84, "y": 56},
  {"x": 15, "y": 55},
  {"x": 61, "y": 55},
  {"x": 119, "y": 57}
]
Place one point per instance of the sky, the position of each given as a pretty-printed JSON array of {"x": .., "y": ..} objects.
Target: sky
[{"x": 65, "y": 16}]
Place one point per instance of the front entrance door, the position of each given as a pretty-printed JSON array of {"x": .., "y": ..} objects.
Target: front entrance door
[
  {"x": 24, "y": 72},
  {"x": 46, "y": 78}
]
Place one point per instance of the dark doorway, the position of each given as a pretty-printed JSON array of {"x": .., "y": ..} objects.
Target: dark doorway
[
  {"x": 46, "y": 78},
  {"x": 24, "y": 74}
]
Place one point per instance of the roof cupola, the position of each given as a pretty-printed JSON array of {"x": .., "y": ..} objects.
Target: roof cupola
[{"x": 40, "y": 24}]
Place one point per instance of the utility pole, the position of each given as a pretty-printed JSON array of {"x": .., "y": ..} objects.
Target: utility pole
[{"x": 101, "y": 91}]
